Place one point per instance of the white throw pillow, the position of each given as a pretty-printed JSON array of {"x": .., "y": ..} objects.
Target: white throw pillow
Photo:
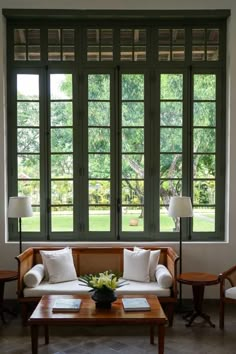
[
  {"x": 136, "y": 265},
  {"x": 163, "y": 277},
  {"x": 44, "y": 255},
  {"x": 34, "y": 276},
  {"x": 60, "y": 265},
  {"x": 153, "y": 262}
]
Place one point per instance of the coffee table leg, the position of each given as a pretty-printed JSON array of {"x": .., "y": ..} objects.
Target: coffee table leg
[
  {"x": 161, "y": 339},
  {"x": 46, "y": 334},
  {"x": 152, "y": 334},
  {"x": 34, "y": 339}
]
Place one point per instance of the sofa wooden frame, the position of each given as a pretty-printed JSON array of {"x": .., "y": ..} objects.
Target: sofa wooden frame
[{"x": 93, "y": 260}]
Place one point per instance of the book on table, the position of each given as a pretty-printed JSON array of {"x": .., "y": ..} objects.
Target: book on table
[
  {"x": 66, "y": 305},
  {"x": 136, "y": 304}
]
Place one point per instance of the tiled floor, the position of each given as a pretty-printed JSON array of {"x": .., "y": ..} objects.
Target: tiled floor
[{"x": 199, "y": 339}]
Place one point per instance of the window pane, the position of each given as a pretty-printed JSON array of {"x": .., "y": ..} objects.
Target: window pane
[
  {"x": 99, "y": 87},
  {"x": 54, "y": 53},
  {"x": 28, "y": 166},
  {"x": 126, "y": 37},
  {"x": 99, "y": 192},
  {"x": 204, "y": 140},
  {"x": 178, "y": 53},
  {"x": 212, "y": 53},
  {"x": 54, "y": 36},
  {"x": 61, "y": 140},
  {"x": 205, "y": 87},
  {"x": 164, "y": 53},
  {"x": 20, "y": 52},
  {"x": 60, "y": 86},
  {"x": 99, "y": 218},
  {"x": 68, "y": 36},
  {"x": 170, "y": 166},
  {"x": 132, "y": 87},
  {"x": 132, "y": 140},
  {"x": 98, "y": 140},
  {"x": 27, "y": 114},
  {"x": 132, "y": 219},
  {"x": 32, "y": 224},
  {"x": 19, "y": 36},
  {"x": 198, "y": 36},
  {"x": 106, "y": 36},
  {"x": 171, "y": 113},
  {"x": 178, "y": 36},
  {"x": 204, "y": 166},
  {"x": 99, "y": 166},
  {"x": 27, "y": 140},
  {"x": 204, "y": 192},
  {"x": 132, "y": 113},
  {"x": 68, "y": 53},
  {"x": 168, "y": 189},
  {"x": 133, "y": 166},
  {"x": 61, "y": 113},
  {"x": 93, "y": 36},
  {"x": 61, "y": 166},
  {"x": 172, "y": 86},
  {"x": 167, "y": 223},
  {"x": 34, "y": 52},
  {"x": 34, "y": 36},
  {"x": 164, "y": 36},
  {"x": 61, "y": 192},
  {"x": 98, "y": 113},
  {"x": 171, "y": 140},
  {"x": 198, "y": 53},
  {"x": 29, "y": 189},
  {"x": 62, "y": 219},
  {"x": 204, "y": 219},
  {"x": 27, "y": 87},
  {"x": 132, "y": 192},
  {"x": 204, "y": 114},
  {"x": 213, "y": 35}
]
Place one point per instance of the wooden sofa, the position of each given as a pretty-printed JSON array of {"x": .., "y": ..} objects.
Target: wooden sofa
[{"x": 92, "y": 260}]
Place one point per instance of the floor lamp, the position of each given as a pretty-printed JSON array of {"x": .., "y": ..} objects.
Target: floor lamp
[
  {"x": 180, "y": 207},
  {"x": 20, "y": 207}
]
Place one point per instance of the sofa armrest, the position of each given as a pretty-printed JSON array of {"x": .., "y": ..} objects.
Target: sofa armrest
[
  {"x": 25, "y": 262},
  {"x": 171, "y": 263}
]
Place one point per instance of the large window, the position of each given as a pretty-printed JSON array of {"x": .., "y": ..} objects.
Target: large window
[{"x": 108, "y": 120}]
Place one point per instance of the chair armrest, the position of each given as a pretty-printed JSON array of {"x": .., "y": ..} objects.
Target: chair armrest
[{"x": 229, "y": 275}]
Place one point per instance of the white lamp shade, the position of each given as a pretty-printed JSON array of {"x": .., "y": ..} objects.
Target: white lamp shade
[
  {"x": 19, "y": 207},
  {"x": 180, "y": 207}
]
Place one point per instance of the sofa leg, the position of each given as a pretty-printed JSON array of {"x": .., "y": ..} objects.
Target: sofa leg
[
  {"x": 170, "y": 313},
  {"x": 222, "y": 314}
]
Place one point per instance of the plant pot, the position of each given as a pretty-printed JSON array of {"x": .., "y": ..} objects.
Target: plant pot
[{"x": 103, "y": 298}]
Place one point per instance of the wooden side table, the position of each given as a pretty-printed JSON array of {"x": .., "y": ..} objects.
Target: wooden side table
[
  {"x": 5, "y": 276},
  {"x": 198, "y": 281}
]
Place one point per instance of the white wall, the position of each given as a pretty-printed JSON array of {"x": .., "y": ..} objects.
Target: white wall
[{"x": 212, "y": 257}]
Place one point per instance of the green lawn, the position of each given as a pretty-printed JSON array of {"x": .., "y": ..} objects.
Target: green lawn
[{"x": 101, "y": 222}]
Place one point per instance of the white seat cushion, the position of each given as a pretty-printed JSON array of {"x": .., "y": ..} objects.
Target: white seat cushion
[
  {"x": 231, "y": 293},
  {"x": 73, "y": 287},
  {"x": 142, "y": 288},
  {"x": 45, "y": 288}
]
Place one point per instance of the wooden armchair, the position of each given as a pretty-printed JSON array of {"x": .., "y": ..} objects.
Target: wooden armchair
[{"x": 228, "y": 295}]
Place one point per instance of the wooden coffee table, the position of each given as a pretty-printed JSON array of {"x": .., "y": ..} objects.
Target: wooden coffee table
[{"x": 89, "y": 315}]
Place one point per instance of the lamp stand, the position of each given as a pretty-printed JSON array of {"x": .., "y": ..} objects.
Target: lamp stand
[
  {"x": 20, "y": 236},
  {"x": 180, "y": 260}
]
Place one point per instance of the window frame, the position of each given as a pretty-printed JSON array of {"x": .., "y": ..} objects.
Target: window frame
[{"x": 152, "y": 67}]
